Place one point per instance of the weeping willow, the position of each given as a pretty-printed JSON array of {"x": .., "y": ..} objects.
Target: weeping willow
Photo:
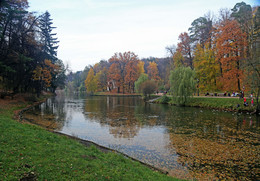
[{"x": 183, "y": 84}]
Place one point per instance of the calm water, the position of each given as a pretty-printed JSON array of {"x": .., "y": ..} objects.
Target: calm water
[{"x": 187, "y": 142}]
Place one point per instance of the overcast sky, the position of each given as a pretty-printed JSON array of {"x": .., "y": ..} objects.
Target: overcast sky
[{"x": 92, "y": 30}]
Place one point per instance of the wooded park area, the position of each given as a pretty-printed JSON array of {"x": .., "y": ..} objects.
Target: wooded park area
[
  {"x": 28, "y": 50},
  {"x": 222, "y": 52}
]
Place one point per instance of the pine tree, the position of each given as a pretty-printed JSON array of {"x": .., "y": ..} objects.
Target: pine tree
[{"x": 49, "y": 43}]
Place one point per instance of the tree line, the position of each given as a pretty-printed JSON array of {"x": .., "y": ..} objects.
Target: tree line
[
  {"x": 119, "y": 74},
  {"x": 222, "y": 53},
  {"x": 28, "y": 50}
]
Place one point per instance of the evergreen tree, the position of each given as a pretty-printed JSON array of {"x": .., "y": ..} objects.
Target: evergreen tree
[
  {"x": 200, "y": 31},
  {"x": 49, "y": 43}
]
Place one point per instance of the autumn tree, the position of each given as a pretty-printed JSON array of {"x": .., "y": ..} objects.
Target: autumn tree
[
  {"x": 131, "y": 75},
  {"x": 100, "y": 66},
  {"x": 119, "y": 62},
  {"x": 231, "y": 46},
  {"x": 101, "y": 78},
  {"x": 44, "y": 74},
  {"x": 148, "y": 87},
  {"x": 184, "y": 47},
  {"x": 152, "y": 71},
  {"x": 252, "y": 63},
  {"x": 91, "y": 82},
  {"x": 22, "y": 50},
  {"x": 178, "y": 60},
  {"x": 114, "y": 76},
  {"x": 140, "y": 68},
  {"x": 206, "y": 67}
]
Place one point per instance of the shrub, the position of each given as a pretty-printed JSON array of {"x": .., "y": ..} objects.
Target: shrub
[{"x": 165, "y": 99}]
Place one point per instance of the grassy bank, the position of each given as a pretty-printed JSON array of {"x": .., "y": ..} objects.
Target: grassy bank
[
  {"x": 214, "y": 103},
  {"x": 30, "y": 152}
]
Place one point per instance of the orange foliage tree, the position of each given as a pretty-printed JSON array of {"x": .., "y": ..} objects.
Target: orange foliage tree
[
  {"x": 119, "y": 65},
  {"x": 184, "y": 46},
  {"x": 45, "y": 73},
  {"x": 114, "y": 77},
  {"x": 231, "y": 45},
  {"x": 131, "y": 75},
  {"x": 152, "y": 71}
]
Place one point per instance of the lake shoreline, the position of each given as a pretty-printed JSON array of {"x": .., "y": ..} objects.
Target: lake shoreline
[
  {"x": 32, "y": 142},
  {"x": 88, "y": 143},
  {"x": 201, "y": 102},
  {"x": 132, "y": 126},
  {"x": 218, "y": 103}
]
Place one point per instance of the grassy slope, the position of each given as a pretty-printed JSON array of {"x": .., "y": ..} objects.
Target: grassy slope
[
  {"x": 28, "y": 151},
  {"x": 217, "y": 103}
]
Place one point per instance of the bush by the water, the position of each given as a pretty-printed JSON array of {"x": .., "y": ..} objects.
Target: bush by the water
[{"x": 165, "y": 99}]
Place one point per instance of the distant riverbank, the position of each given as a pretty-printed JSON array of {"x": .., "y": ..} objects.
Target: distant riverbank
[
  {"x": 223, "y": 103},
  {"x": 234, "y": 104}
]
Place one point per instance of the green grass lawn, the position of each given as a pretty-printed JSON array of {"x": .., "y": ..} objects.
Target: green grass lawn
[
  {"x": 30, "y": 152},
  {"x": 217, "y": 103}
]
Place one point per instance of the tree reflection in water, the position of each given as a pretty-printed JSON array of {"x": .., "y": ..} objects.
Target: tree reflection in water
[{"x": 116, "y": 113}]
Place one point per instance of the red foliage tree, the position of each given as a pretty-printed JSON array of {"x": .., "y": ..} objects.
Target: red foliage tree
[{"x": 231, "y": 45}]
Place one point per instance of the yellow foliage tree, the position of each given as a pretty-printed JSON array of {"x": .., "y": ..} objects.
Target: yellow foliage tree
[
  {"x": 178, "y": 59},
  {"x": 101, "y": 78},
  {"x": 91, "y": 82},
  {"x": 206, "y": 67},
  {"x": 140, "y": 68}
]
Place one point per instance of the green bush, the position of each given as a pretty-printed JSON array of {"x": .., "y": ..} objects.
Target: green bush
[{"x": 165, "y": 99}]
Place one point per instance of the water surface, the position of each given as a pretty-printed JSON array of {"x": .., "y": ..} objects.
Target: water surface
[{"x": 187, "y": 142}]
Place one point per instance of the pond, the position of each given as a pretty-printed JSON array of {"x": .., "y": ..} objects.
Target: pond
[{"x": 187, "y": 142}]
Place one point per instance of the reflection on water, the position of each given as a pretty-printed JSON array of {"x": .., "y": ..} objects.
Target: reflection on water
[{"x": 187, "y": 142}]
